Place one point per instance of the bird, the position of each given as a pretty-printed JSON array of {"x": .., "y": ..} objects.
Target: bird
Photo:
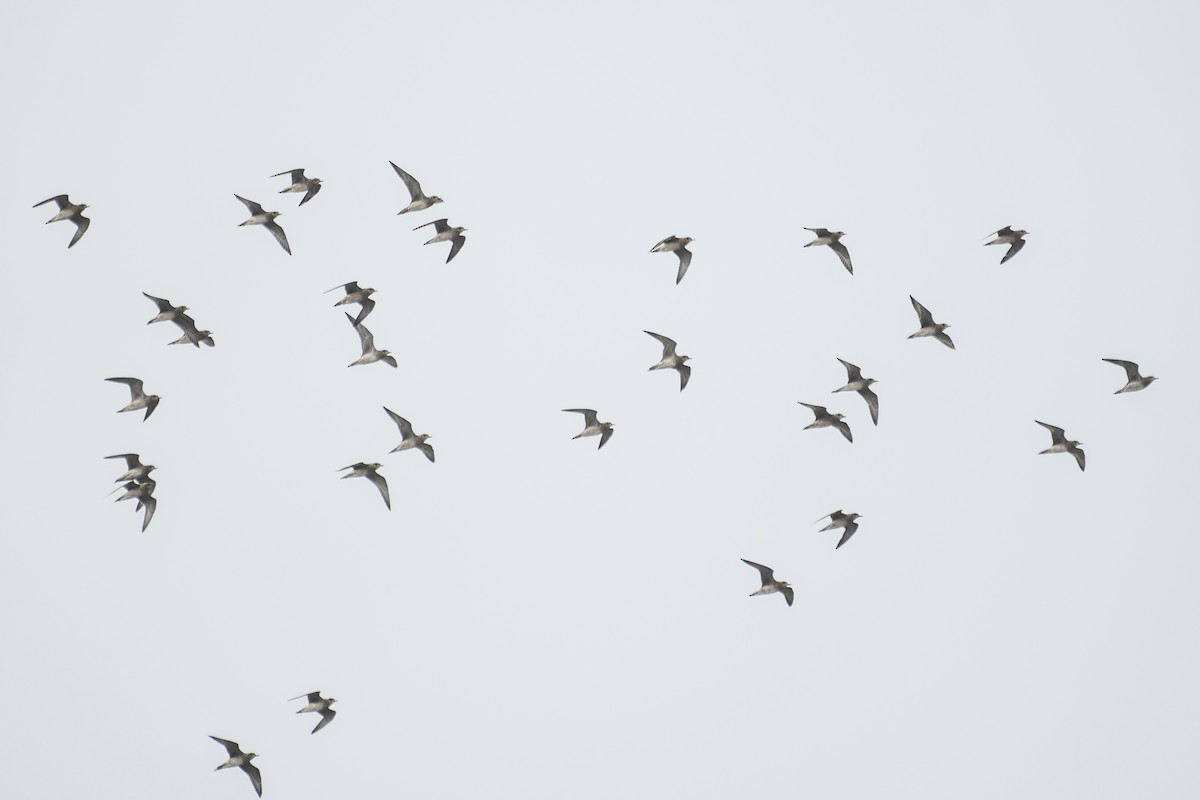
[
  {"x": 1061, "y": 444},
  {"x": 318, "y": 704},
  {"x": 825, "y": 420},
  {"x": 446, "y": 234},
  {"x": 368, "y": 471},
  {"x": 928, "y": 326},
  {"x": 671, "y": 360},
  {"x": 855, "y": 382},
  {"x": 166, "y": 311},
  {"x": 136, "y": 469},
  {"x": 409, "y": 440},
  {"x": 1006, "y": 235},
  {"x": 242, "y": 761},
  {"x": 69, "y": 211},
  {"x": 267, "y": 220},
  {"x": 194, "y": 336},
  {"x": 138, "y": 398},
  {"x": 770, "y": 585},
  {"x": 1136, "y": 381},
  {"x": 142, "y": 491},
  {"x": 355, "y": 295},
  {"x": 844, "y": 521},
  {"x": 678, "y": 246},
  {"x": 419, "y": 201},
  {"x": 310, "y": 186},
  {"x": 369, "y": 354},
  {"x": 592, "y": 426},
  {"x": 832, "y": 239}
]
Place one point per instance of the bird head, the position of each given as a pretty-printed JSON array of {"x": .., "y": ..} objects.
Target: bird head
[{"x": 434, "y": 200}]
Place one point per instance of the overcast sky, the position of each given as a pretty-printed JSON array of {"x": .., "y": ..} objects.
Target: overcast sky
[{"x": 535, "y": 618}]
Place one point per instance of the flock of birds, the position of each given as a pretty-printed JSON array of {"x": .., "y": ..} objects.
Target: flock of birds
[{"x": 137, "y": 484}]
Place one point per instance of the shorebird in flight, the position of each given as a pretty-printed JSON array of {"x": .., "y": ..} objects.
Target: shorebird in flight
[
  {"x": 419, "y": 201},
  {"x": 592, "y": 426},
  {"x": 410, "y": 440},
  {"x": 242, "y": 761},
  {"x": 769, "y": 584},
  {"x": 193, "y": 335},
  {"x": 855, "y": 382},
  {"x": 1014, "y": 239},
  {"x": 678, "y": 246},
  {"x": 369, "y": 354},
  {"x": 320, "y": 705},
  {"x": 826, "y": 420},
  {"x": 138, "y": 399},
  {"x": 310, "y": 186},
  {"x": 267, "y": 220},
  {"x": 446, "y": 234},
  {"x": 928, "y": 327},
  {"x": 143, "y": 492},
  {"x": 69, "y": 211},
  {"x": 136, "y": 469},
  {"x": 832, "y": 239},
  {"x": 1061, "y": 444},
  {"x": 672, "y": 360},
  {"x": 369, "y": 471},
  {"x": 1135, "y": 380},
  {"x": 166, "y": 311},
  {"x": 844, "y": 521},
  {"x": 355, "y": 295}
]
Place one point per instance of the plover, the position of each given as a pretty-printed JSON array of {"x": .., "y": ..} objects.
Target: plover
[
  {"x": 136, "y": 469},
  {"x": 419, "y": 201},
  {"x": 855, "y": 382},
  {"x": 672, "y": 360},
  {"x": 446, "y": 234},
  {"x": 1006, "y": 235},
  {"x": 321, "y": 706},
  {"x": 267, "y": 220},
  {"x": 369, "y": 354},
  {"x": 242, "y": 761},
  {"x": 678, "y": 246},
  {"x": 368, "y": 471},
  {"x": 1135, "y": 380},
  {"x": 928, "y": 326},
  {"x": 826, "y": 420},
  {"x": 310, "y": 186},
  {"x": 143, "y": 492},
  {"x": 410, "y": 439},
  {"x": 166, "y": 311},
  {"x": 69, "y": 211},
  {"x": 832, "y": 239},
  {"x": 355, "y": 295},
  {"x": 138, "y": 398},
  {"x": 1061, "y": 444},
  {"x": 769, "y": 584},
  {"x": 194, "y": 336},
  {"x": 592, "y": 426},
  {"x": 844, "y": 521}
]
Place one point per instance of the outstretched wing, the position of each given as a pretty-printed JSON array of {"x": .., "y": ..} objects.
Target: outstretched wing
[
  {"x": 406, "y": 428},
  {"x": 766, "y": 573}
]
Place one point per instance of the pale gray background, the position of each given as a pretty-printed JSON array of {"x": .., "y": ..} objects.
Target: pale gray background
[{"x": 536, "y": 619}]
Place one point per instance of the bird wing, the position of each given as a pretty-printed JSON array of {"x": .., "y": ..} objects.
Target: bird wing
[
  {"x": 297, "y": 175},
  {"x": 131, "y": 459},
  {"x": 685, "y": 374},
  {"x": 923, "y": 315},
  {"x": 163, "y": 305},
  {"x": 327, "y": 715},
  {"x": 589, "y": 415},
  {"x": 843, "y": 254},
  {"x": 766, "y": 573},
  {"x": 365, "y": 337},
  {"x": 1013, "y": 249},
  {"x": 414, "y": 188},
  {"x": 685, "y": 261},
  {"x": 313, "y": 188},
  {"x": 604, "y": 437},
  {"x": 667, "y": 240},
  {"x": 81, "y": 223},
  {"x": 872, "y": 403},
  {"x": 1131, "y": 369},
  {"x": 279, "y": 235},
  {"x": 312, "y": 697},
  {"x": 135, "y": 386},
  {"x": 820, "y": 232},
  {"x": 669, "y": 345},
  {"x": 255, "y": 776},
  {"x": 945, "y": 339},
  {"x": 381, "y": 484},
  {"x": 427, "y": 449},
  {"x": 456, "y": 244},
  {"x": 788, "y": 594},
  {"x": 845, "y": 429},
  {"x": 59, "y": 199},
  {"x": 819, "y": 411},
  {"x": 255, "y": 208},
  {"x": 850, "y": 529},
  {"x": 1079, "y": 457},
  {"x": 151, "y": 504},
  {"x": 1056, "y": 433},
  {"x": 368, "y": 305},
  {"x": 853, "y": 373},
  {"x": 406, "y": 428},
  {"x": 230, "y": 747}
]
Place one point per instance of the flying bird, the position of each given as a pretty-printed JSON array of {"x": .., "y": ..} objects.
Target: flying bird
[
  {"x": 267, "y": 220},
  {"x": 369, "y": 354},
  {"x": 320, "y": 705},
  {"x": 592, "y": 426},
  {"x": 832, "y": 239},
  {"x": 678, "y": 246},
  {"x": 671, "y": 360},
  {"x": 446, "y": 234},
  {"x": 166, "y": 311},
  {"x": 1014, "y": 239},
  {"x": 855, "y": 382},
  {"x": 69, "y": 211},
  {"x": 419, "y": 201},
  {"x": 138, "y": 398},
  {"x": 769, "y": 584},
  {"x": 355, "y": 295},
  {"x": 242, "y": 761},
  {"x": 143, "y": 492},
  {"x": 826, "y": 420},
  {"x": 844, "y": 521},
  {"x": 409, "y": 440},
  {"x": 310, "y": 186},
  {"x": 195, "y": 337},
  {"x": 1059, "y": 443},
  {"x": 928, "y": 326},
  {"x": 1135, "y": 380},
  {"x": 368, "y": 471},
  {"x": 136, "y": 469}
]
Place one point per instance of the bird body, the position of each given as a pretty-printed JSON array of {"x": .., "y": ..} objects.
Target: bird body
[
  {"x": 242, "y": 761},
  {"x": 1135, "y": 381},
  {"x": 928, "y": 326},
  {"x": 320, "y": 705},
  {"x": 410, "y": 440},
  {"x": 138, "y": 398},
  {"x": 672, "y": 360},
  {"x": 369, "y": 471},
  {"x": 419, "y": 201},
  {"x": 844, "y": 521},
  {"x": 445, "y": 233},
  {"x": 356, "y": 295},
  {"x": 1014, "y": 239},
  {"x": 855, "y": 382},
  {"x": 68, "y": 211},
  {"x": 310, "y": 186},
  {"x": 592, "y": 425},
  {"x": 770, "y": 585},
  {"x": 267, "y": 220},
  {"x": 1061, "y": 444},
  {"x": 370, "y": 354},
  {"x": 832, "y": 240},
  {"x": 826, "y": 420},
  {"x": 678, "y": 246}
]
